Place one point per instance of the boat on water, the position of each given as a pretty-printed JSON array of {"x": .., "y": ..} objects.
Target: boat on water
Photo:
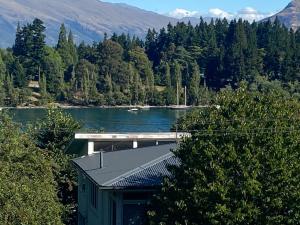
[{"x": 133, "y": 110}]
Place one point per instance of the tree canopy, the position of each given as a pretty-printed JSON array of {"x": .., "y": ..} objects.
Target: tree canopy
[
  {"x": 241, "y": 165},
  {"x": 124, "y": 70},
  {"x": 53, "y": 134},
  {"x": 27, "y": 186}
]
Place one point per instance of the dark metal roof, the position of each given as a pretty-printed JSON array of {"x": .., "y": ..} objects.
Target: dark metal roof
[
  {"x": 149, "y": 177},
  {"x": 129, "y": 168}
]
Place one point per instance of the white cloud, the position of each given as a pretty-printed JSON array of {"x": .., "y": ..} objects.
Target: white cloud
[
  {"x": 251, "y": 14},
  {"x": 247, "y": 13},
  {"x": 219, "y": 13},
  {"x": 181, "y": 13}
]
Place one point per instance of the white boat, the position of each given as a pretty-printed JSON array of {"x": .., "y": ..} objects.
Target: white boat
[{"x": 133, "y": 110}]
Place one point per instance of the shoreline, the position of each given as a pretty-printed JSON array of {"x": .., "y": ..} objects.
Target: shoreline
[{"x": 65, "y": 106}]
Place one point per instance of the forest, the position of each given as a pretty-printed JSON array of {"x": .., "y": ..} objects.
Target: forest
[{"x": 125, "y": 70}]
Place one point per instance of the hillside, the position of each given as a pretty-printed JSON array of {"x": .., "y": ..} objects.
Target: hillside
[
  {"x": 289, "y": 16},
  {"x": 88, "y": 19}
]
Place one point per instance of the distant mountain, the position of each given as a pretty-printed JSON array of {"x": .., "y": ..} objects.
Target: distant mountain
[
  {"x": 88, "y": 19},
  {"x": 289, "y": 16}
]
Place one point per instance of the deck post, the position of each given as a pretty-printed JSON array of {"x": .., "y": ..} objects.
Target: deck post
[
  {"x": 135, "y": 144},
  {"x": 91, "y": 147}
]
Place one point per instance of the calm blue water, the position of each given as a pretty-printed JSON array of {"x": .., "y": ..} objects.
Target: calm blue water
[{"x": 110, "y": 120}]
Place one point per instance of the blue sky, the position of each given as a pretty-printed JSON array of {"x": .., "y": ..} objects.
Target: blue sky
[{"x": 229, "y": 8}]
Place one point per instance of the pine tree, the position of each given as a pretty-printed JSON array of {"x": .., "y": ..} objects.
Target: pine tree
[
  {"x": 235, "y": 68},
  {"x": 53, "y": 69},
  {"x": 18, "y": 47},
  {"x": 37, "y": 52},
  {"x": 18, "y": 73},
  {"x": 65, "y": 48},
  {"x": 62, "y": 38},
  {"x": 72, "y": 48}
]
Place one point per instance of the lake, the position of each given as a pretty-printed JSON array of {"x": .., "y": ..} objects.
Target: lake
[{"x": 110, "y": 120}]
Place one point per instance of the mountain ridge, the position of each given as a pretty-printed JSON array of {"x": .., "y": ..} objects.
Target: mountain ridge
[
  {"x": 88, "y": 19},
  {"x": 289, "y": 16}
]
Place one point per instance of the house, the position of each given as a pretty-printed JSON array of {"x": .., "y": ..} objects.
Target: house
[{"x": 115, "y": 187}]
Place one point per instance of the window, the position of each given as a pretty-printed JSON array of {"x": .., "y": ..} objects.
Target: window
[{"x": 94, "y": 195}]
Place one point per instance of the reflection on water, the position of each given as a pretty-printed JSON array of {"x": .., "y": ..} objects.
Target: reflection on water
[{"x": 110, "y": 120}]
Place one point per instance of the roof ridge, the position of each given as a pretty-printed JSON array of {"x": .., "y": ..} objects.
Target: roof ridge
[{"x": 139, "y": 169}]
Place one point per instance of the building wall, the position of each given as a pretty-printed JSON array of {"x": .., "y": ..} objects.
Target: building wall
[
  {"x": 87, "y": 213},
  {"x": 103, "y": 213}
]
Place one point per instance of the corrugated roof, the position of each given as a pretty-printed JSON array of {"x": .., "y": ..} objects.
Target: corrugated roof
[
  {"x": 149, "y": 177},
  {"x": 124, "y": 168}
]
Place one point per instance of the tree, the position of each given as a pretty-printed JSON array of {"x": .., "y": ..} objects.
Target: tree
[
  {"x": 194, "y": 86},
  {"x": 143, "y": 66},
  {"x": 37, "y": 52},
  {"x": 27, "y": 190},
  {"x": 62, "y": 38},
  {"x": 18, "y": 73},
  {"x": 87, "y": 78},
  {"x": 53, "y": 134},
  {"x": 11, "y": 93},
  {"x": 235, "y": 68},
  {"x": 72, "y": 48},
  {"x": 177, "y": 80},
  {"x": 109, "y": 90},
  {"x": 29, "y": 47},
  {"x": 66, "y": 47},
  {"x": 53, "y": 69},
  {"x": 110, "y": 60},
  {"x": 240, "y": 166},
  {"x": 169, "y": 91}
]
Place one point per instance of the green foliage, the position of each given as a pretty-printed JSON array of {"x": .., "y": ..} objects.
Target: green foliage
[
  {"x": 226, "y": 53},
  {"x": 53, "y": 134},
  {"x": 27, "y": 188},
  {"x": 52, "y": 67},
  {"x": 66, "y": 48},
  {"x": 241, "y": 165},
  {"x": 56, "y": 130},
  {"x": 87, "y": 77},
  {"x": 29, "y": 47},
  {"x": 18, "y": 73},
  {"x": 194, "y": 86}
]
